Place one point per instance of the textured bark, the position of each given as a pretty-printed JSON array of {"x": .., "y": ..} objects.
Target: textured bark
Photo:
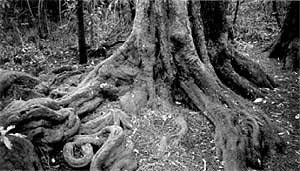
[
  {"x": 41, "y": 120},
  {"x": 111, "y": 150},
  {"x": 162, "y": 37},
  {"x": 286, "y": 47},
  {"x": 17, "y": 85},
  {"x": 242, "y": 75},
  {"x": 165, "y": 53},
  {"x": 9, "y": 78}
]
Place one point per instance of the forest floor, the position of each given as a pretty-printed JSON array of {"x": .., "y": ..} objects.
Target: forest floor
[
  {"x": 282, "y": 105},
  {"x": 196, "y": 150}
]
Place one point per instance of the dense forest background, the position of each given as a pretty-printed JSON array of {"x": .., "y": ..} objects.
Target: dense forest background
[
  {"x": 47, "y": 30},
  {"x": 43, "y": 39}
]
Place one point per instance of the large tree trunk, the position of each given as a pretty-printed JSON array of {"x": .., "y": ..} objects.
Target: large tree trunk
[
  {"x": 166, "y": 53},
  {"x": 286, "y": 47}
]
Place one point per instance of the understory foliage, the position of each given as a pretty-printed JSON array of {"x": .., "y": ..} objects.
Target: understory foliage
[
  {"x": 21, "y": 48},
  {"x": 255, "y": 23}
]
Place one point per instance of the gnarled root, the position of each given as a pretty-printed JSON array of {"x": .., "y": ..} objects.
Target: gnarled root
[
  {"x": 252, "y": 71},
  {"x": 17, "y": 85},
  {"x": 8, "y": 78},
  {"x": 89, "y": 97},
  {"x": 84, "y": 142},
  {"x": 242, "y": 139},
  {"x": 111, "y": 117},
  {"x": 41, "y": 119},
  {"x": 112, "y": 154},
  {"x": 242, "y": 75}
]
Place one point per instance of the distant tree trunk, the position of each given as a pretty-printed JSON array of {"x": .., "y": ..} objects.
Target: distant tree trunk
[
  {"x": 236, "y": 11},
  {"x": 175, "y": 47},
  {"x": 275, "y": 13},
  {"x": 286, "y": 47},
  {"x": 81, "y": 34},
  {"x": 43, "y": 31}
]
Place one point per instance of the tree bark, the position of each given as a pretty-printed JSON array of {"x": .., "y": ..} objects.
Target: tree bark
[
  {"x": 286, "y": 47},
  {"x": 167, "y": 47},
  {"x": 174, "y": 45},
  {"x": 236, "y": 71},
  {"x": 81, "y": 34}
]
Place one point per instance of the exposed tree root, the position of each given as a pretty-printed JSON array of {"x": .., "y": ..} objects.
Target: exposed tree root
[
  {"x": 41, "y": 119},
  {"x": 86, "y": 154},
  {"x": 8, "y": 78},
  {"x": 84, "y": 142},
  {"x": 112, "y": 154},
  {"x": 44, "y": 121},
  {"x": 240, "y": 74},
  {"x": 95, "y": 131},
  {"x": 81, "y": 97},
  {"x": 142, "y": 70},
  {"x": 17, "y": 85},
  {"x": 242, "y": 139},
  {"x": 52, "y": 121},
  {"x": 63, "y": 69},
  {"x": 230, "y": 78},
  {"x": 111, "y": 117},
  {"x": 239, "y": 128},
  {"x": 22, "y": 156},
  {"x": 64, "y": 75},
  {"x": 252, "y": 71}
]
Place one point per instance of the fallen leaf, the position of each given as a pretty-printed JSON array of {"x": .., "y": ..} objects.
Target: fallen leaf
[{"x": 258, "y": 100}]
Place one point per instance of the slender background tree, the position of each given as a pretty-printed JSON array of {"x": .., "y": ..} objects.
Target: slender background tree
[{"x": 81, "y": 34}]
